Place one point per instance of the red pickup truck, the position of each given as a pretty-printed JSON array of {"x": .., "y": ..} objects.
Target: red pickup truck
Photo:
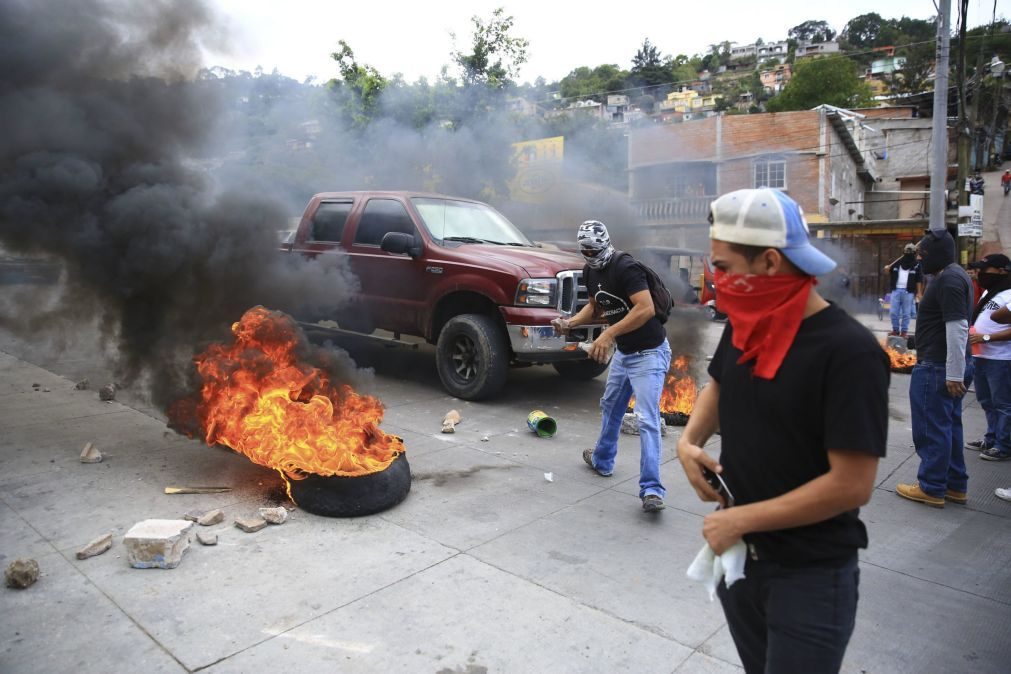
[{"x": 457, "y": 273}]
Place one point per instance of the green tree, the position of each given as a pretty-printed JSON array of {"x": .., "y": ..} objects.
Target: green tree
[
  {"x": 495, "y": 56},
  {"x": 822, "y": 80},
  {"x": 585, "y": 83},
  {"x": 914, "y": 76},
  {"x": 649, "y": 68},
  {"x": 864, "y": 30},
  {"x": 812, "y": 30},
  {"x": 360, "y": 85}
]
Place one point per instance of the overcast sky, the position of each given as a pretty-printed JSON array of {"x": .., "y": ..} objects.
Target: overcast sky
[{"x": 413, "y": 37}]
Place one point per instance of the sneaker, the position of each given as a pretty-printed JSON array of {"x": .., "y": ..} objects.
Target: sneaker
[
  {"x": 1003, "y": 493},
  {"x": 994, "y": 454},
  {"x": 588, "y": 458},
  {"x": 652, "y": 503},
  {"x": 959, "y": 497},
  {"x": 914, "y": 493},
  {"x": 978, "y": 445}
]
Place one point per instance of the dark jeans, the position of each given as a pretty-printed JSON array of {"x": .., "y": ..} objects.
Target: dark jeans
[
  {"x": 993, "y": 391},
  {"x": 937, "y": 429},
  {"x": 787, "y": 619}
]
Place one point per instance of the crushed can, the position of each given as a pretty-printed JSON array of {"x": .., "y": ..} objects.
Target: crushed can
[{"x": 541, "y": 424}]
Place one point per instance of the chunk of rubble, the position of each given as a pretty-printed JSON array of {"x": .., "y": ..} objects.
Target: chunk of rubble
[
  {"x": 450, "y": 421},
  {"x": 82, "y": 385},
  {"x": 96, "y": 547},
  {"x": 194, "y": 515},
  {"x": 630, "y": 424},
  {"x": 157, "y": 544},
  {"x": 250, "y": 524},
  {"x": 210, "y": 518},
  {"x": 207, "y": 538},
  {"x": 278, "y": 515},
  {"x": 90, "y": 454},
  {"x": 21, "y": 573},
  {"x": 107, "y": 392}
]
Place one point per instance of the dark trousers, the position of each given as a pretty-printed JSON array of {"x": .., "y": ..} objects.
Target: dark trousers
[{"x": 787, "y": 619}]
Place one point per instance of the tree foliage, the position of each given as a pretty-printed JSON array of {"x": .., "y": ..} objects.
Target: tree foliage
[
  {"x": 586, "y": 83},
  {"x": 822, "y": 80},
  {"x": 649, "y": 67},
  {"x": 495, "y": 56},
  {"x": 812, "y": 31},
  {"x": 361, "y": 85}
]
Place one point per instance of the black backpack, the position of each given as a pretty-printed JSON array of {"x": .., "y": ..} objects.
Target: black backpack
[{"x": 663, "y": 301}]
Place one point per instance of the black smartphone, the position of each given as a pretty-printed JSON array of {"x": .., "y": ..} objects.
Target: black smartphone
[{"x": 717, "y": 483}]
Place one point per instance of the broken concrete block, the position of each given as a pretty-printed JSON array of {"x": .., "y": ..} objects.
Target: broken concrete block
[
  {"x": 630, "y": 424},
  {"x": 278, "y": 515},
  {"x": 157, "y": 544},
  {"x": 81, "y": 385},
  {"x": 450, "y": 421},
  {"x": 211, "y": 517},
  {"x": 207, "y": 538},
  {"x": 107, "y": 392},
  {"x": 250, "y": 524},
  {"x": 194, "y": 515},
  {"x": 21, "y": 573},
  {"x": 96, "y": 547},
  {"x": 90, "y": 454}
]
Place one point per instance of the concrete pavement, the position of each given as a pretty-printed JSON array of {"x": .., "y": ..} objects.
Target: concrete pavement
[{"x": 486, "y": 567}]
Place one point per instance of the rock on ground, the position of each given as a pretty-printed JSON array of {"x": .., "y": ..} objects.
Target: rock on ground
[
  {"x": 250, "y": 524},
  {"x": 96, "y": 547},
  {"x": 210, "y": 518},
  {"x": 90, "y": 454},
  {"x": 157, "y": 544},
  {"x": 207, "y": 538},
  {"x": 194, "y": 515},
  {"x": 107, "y": 392},
  {"x": 630, "y": 424},
  {"x": 278, "y": 515},
  {"x": 21, "y": 573}
]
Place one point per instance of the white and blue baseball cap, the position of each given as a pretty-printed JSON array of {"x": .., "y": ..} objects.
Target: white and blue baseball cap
[{"x": 770, "y": 219}]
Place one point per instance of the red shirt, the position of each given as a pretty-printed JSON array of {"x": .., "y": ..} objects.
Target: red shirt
[{"x": 1005, "y": 179}]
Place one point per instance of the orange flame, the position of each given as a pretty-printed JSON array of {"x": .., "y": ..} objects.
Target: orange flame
[
  {"x": 261, "y": 399},
  {"x": 900, "y": 362},
  {"x": 679, "y": 389}
]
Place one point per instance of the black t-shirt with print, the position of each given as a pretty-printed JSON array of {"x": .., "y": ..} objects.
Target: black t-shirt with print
[
  {"x": 611, "y": 289},
  {"x": 831, "y": 392},
  {"x": 948, "y": 297}
]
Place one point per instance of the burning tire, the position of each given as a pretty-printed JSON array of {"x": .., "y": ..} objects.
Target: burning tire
[
  {"x": 472, "y": 356},
  {"x": 354, "y": 496},
  {"x": 581, "y": 370}
]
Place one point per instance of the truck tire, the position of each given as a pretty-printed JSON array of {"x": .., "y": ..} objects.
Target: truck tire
[
  {"x": 581, "y": 370},
  {"x": 472, "y": 355}
]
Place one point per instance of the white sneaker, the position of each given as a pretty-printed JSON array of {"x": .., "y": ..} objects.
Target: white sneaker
[{"x": 1003, "y": 493}]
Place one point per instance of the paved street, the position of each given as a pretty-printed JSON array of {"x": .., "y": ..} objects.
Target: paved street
[{"x": 486, "y": 567}]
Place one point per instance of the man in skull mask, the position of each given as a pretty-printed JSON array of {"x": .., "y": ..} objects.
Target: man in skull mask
[
  {"x": 619, "y": 292},
  {"x": 992, "y": 357},
  {"x": 941, "y": 376},
  {"x": 905, "y": 279}
]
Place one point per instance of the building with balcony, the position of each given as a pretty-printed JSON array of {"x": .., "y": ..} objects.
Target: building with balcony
[
  {"x": 774, "y": 79},
  {"x": 805, "y": 49}
]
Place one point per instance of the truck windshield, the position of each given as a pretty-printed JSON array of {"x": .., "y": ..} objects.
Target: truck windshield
[{"x": 467, "y": 222}]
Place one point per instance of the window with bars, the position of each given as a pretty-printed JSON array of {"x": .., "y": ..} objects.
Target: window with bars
[{"x": 770, "y": 172}]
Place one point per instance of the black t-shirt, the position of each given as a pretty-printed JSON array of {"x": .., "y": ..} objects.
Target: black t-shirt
[
  {"x": 831, "y": 392},
  {"x": 948, "y": 297},
  {"x": 611, "y": 289}
]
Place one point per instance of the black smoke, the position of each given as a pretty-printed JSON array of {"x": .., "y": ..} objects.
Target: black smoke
[{"x": 101, "y": 119}]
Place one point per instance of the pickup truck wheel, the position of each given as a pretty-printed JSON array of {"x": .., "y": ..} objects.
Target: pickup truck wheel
[
  {"x": 472, "y": 356},
  {"x": 582, "y": 370}
]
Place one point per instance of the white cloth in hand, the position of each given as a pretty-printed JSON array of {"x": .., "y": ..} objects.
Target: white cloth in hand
[{"x": 708, "y": 567}]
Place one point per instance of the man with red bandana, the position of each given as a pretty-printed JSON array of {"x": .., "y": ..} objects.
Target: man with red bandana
[{"x": 799, "y": 394}]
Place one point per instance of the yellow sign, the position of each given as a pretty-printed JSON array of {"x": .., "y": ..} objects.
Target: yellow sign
[{"x": 538, "y": 168}]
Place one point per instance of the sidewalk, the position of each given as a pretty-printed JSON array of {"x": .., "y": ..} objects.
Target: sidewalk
[
  {"x": 996, "y": 217},
  {"x": 486, "y": 567}
]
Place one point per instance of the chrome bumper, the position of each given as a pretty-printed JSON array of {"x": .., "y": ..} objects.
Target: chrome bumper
[{"x": 541, "y": 340}]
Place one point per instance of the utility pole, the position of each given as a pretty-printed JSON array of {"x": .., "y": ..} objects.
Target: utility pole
[{"x": 939, "y": 151}]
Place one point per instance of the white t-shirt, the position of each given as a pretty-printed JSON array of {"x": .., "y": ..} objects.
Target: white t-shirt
[
  {"x": 903, "y": 280},
  {"x": 985, "y": 326}
]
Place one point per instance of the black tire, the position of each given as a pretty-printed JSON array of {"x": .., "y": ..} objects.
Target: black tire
[
  {"x": 472, "y": 355},
  {"x": 580, "y": 370},
  {"x": 354, "y": 496}
]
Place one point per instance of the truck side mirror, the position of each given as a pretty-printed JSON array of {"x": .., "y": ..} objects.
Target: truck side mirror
[{"x": 400, "y": 244}]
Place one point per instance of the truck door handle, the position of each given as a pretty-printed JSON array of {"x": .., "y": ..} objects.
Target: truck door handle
[{"x": 433, "y": 270}]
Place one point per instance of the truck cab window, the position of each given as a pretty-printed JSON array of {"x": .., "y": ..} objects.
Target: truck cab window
[
  {"x": 382, "y": 216},
  {"x": 328, "y": 222}
]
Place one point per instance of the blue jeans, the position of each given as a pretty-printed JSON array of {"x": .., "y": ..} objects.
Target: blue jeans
[
  {"x": 993, "y": 391},
  {"x": 901, "y": 309},
  {"x": 643, "y": 374},
  {"x": 792, "y": 618},
  {"x": 937, "y": 429}
]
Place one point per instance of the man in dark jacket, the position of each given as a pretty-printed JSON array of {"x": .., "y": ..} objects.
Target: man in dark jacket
[{"x": 905, "y": 281}]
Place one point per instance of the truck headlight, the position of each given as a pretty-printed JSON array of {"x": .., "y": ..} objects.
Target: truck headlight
[{"x": 538, "y": 292}]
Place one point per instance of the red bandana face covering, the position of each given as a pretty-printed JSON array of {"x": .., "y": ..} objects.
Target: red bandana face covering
[{"x": 765, "y": 313}]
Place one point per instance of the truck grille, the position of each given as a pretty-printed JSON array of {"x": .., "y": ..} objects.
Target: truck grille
[{"x": 573, "y": 295}]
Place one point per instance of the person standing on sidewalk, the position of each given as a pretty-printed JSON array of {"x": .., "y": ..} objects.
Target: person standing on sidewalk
[
  {"x": 905, "y": 282},
  {"x": 991, "y": 346},
  {"x": 799, "y": 392},
  {"x": 619, "y": 292},
  {"x": 940, "y": 377}
]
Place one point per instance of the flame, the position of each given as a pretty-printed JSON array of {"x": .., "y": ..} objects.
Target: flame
[
  {"x": 679, "y": 389},
  {"x": 900, "y": 362},
  {"x": 260, "y": 398}
]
